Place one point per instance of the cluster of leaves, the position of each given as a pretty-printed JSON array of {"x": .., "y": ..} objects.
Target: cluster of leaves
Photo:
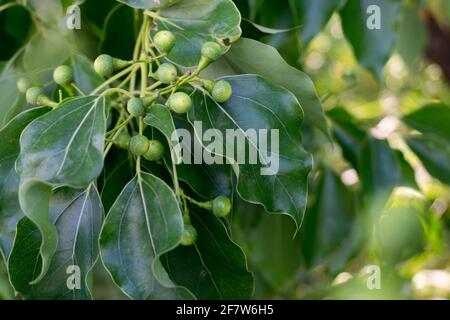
[{"x": 90, "y": 172}]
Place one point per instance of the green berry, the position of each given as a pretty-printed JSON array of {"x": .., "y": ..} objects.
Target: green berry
[
  {"x": 164, "y": 41},
  {"x": 189, "y": 235},
  {"x": 123, "y": 140},
  {"x": 211, "y": 50},
  {"x": 63, "y": 75},
  {"x": 155, "y": 151},
  {"x": 23, "y": 84},
  {"x": 166, "y": 73},
  {"x": 139, "y": 145},
  {"x": 179, "y": 102},
  {"x": 221, "y": 206},
  {"x": 222, "y": 91},
  {"x": 104, "y": 65},
  {"x": 33, "y": 94},
  {"x": 135, "y": 107}
]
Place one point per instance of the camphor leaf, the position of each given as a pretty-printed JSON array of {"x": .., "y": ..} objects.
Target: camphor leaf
[
  {"x": 194, "y": 22},
  {"x": 373, "y": 46},
  {"x": 434, "y": 152},
  {"x": 214, "y": 267},
  {"x": 250, "y": 56},
  {"x": 84, "y": 74},
  {"x": 62, "y": 148},
  {"x": 10, "y": 212},
  {"x": 144, "y": 223},
  {"x": 431, "y": 118},
  {"x": 11, "y": 99},
  {"x": 208, "y": 181},
  {"x": 150, "y": 4},
  {"x": 256, "y": 105},
  {"x": 78, "y": 217},
  {"x": 313, "y": 16}
]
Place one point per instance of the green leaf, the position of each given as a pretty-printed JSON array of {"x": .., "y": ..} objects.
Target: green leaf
[
  {"x": 432, "y": 118},
  {"x": 194, "y": 22},
  {"x": 65, "y": 147},
  {"x": 11, "y": 99},
  {"x": 208, "y": 181},
  {"x": 312, "y": 16},
  {"x": 77, "y": 216},
  {"x": 266, "y": 240},
  {"x": 50, "y": 11},
  {"x": 434, "y": 153},
  {"x": 144, "y": 223},
  {"x": 215, "y": 267},
  {"x": 10, "y": 212},
  {"x": 84, "y": 74},
  {"x": 257, "y": 105},
  {"x": 329, "y": 222},
  {"x": 372, "y": 47},
  {"x": 250, "y": 56},
  {"x": 150, "y": 4}
]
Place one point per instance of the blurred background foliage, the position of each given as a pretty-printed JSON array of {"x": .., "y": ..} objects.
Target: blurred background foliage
[{"x": 379, "y": 191}]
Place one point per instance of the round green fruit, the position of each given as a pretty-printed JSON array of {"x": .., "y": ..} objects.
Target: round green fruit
[
  {"x": 104, "y": 65},
  {"x": 123, "y": 140},
  {"x": 189, "y": 235},
  {"x": 164, "y": 41},
  {"x": 221, "y": 206},
  {"x": 222, "y": 91},
  {"x": 23, "y": 85},
  {"x": 211, "y": 50},
  {"x": 139, "y": 145},
  {"x": 33, "y": 94},
  {"x": 63, "y": 75},
  {"x": 155, "y": 151},
  {"x": 166, "y": 73},
  {"x": 135, "y": 107},
  {"x": 180, "y": 102}
]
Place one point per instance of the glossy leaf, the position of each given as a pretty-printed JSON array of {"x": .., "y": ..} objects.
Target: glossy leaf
[
  {"x": 250, "y": 56},
  {"x": 10, "y": 212},
  {"x": 257, "y": 104},
  {"x": 144, "y": 223},
  {"x": 65, "y": 147},
  {"x": 84, "y": 74},
  {"x": 313, "y": 16},
  {"x": 434, "y": 153},
  {"x": 11, "y": 99},
  {"x": 215, "y": 267},
  {"x": 372, "y": 47},
  {"x": 77, "y": 216},
  {"x": 194, "y": 22},
  {"x": 431, "y": 118}
]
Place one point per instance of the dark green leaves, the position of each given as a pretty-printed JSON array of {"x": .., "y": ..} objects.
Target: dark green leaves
[
  {"x": 257, "y": 105},
  {"x": 10, "y": 211},
  {"x": 66, "y": 145},
  {"x": 372, "y": 46},
  {"x": 84, "y": 74},
  {"x": 77, "y": 216},
  {"x": 196, "y": 21},
  {"x": 144, "y": 223},
  {"x": 433, "y": 146},
  {"x": 250, "y": 56},
  {"x": 213, "y": 268}
]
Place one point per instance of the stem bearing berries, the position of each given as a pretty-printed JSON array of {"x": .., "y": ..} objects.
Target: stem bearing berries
[
  {"x": 164, "y": 41},
  {"x": 33, "y": 94},
  {"x": 135, "y": 107},
  {"x": 139, "y": 145},
  {"x": 155, "y": 151},
  {"x": 63, "y": 75},
  {"x": 166, "y": 73},
  {"x": 222, "y": 91},
  {"x": 179, "y": 102},
  {"x": 105, "y": 65},
  {"x": 189, "y": 235},
  {"x": 211, "y": 51},
  {"x": 221, "y": 206}
]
